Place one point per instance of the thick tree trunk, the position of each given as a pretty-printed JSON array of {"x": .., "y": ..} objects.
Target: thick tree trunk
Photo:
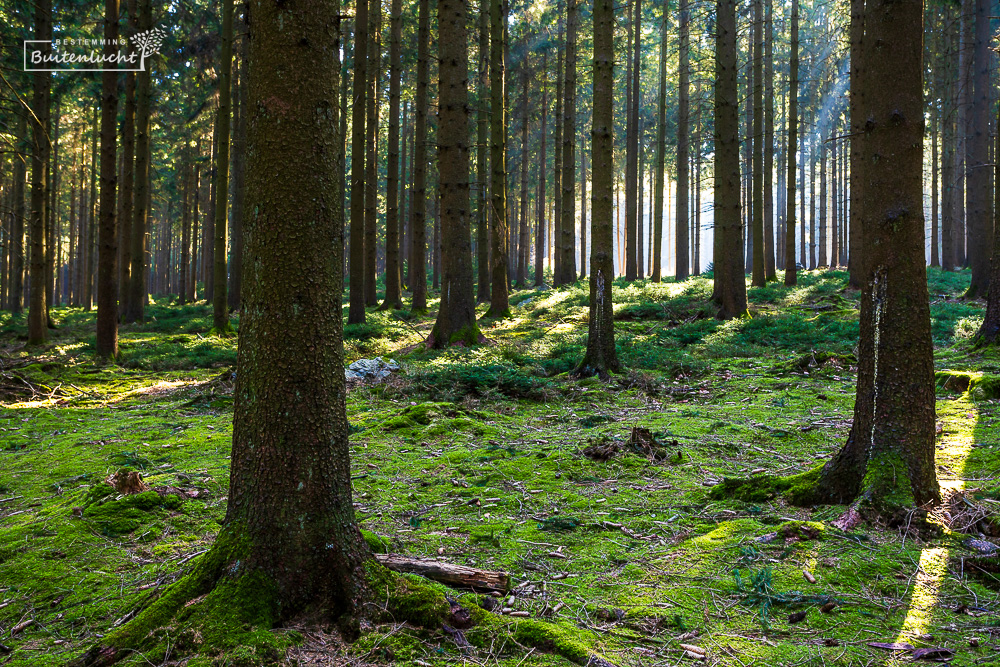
[
  {"x": 856, "y": 101},
  {"x": 37, "y": 308},
  {"x": 601, "y": 357},
  {"x": 393, "y": 289},
  {"x": 499, "y": 292},
  {"x": 356, "y": 308},
  {"x": 989, "y": 331},
  {"x": 456, "y": 320},
  {"x": 107, "y": 279},
  {"x": 894, "y": 419},
  {"x": 729, "y": 270}
]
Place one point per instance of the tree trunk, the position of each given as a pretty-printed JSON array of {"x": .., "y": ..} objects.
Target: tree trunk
[
  {"x": 979, "y": 217},
  {"x": 632, "y": 143},
  {"x": 601, "y": 357},
  {"x": 418, "y": 250},
  {"x": 769, "y": 162},
  {"x": 948, "y": 174},
  {"x": 681, "y": 266},
  {"x": 220, "y": 302},
  {"x": 16, "y": 290},
  {"x": 128, "y": 179},
  {"x": 758, "y": 279},
  {"x": 542, "y": 167},
  {"x": 856, "y": 100},
  {"x": 91, "y": 247},
  {"x": 557, "y": 163},
  {"x": 499, "y": 293},
  {"x": 456, "y": 320},
  {"x": 37, "y": 309},
  {"x": 522, "y": 228},
  {"x": 989, "y": 331},
  {"x": 729, "y": 270},
  {"x": 567, "y": 182},
  {"x": 107, "y": 279},
  {"x": 356, "y": 309},
  {"x": 371, "y": 146},
  {"x": 583, "y": 208},
  {"x": 393, "y": 289},
  {"x": 894, "y": 419},
  {"x": 482, "y": 156},
  {"x": 656, "y": 269},
  {"x": 241, "y": 111},
  {"x": 136, "y": 307}
]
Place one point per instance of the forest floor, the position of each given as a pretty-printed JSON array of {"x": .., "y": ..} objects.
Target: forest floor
[{"x": 593, "y": 496}]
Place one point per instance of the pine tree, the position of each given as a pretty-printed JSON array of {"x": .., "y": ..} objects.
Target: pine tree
[{"x": 107, "y": 265}]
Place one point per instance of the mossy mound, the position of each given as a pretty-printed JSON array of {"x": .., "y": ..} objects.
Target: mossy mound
[
  {"x": 438, "y": 418},
  {"x": 980, "y": 387},
  {"x": 378, "y": 544},
  {"x": 797, "y": 489},
  {"x": 120, "y": 517}
]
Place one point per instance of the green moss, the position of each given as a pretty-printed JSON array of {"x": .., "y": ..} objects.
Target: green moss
[
  {"x": 421, "y": 414},
  {"x": 119, "y": 517},
  {"x": 797, "y": 489},
  {"x": 418, "y": 601},
  {"x": 886, "y": 486},
  {"x": 378, "y": 545}
]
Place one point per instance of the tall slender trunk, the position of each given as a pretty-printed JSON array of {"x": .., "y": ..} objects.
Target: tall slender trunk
[
  {"x": 769, "y": 162},
  {"x": 729, "y": 271},
  {"x": 758, "y": 279},
  {"x": 979, "y": 198},
  {"x": 856, "y": 102},
  {"x": 835, "y": 209},
  {"x": 658, "y": 181},
  {"x": 542, "y": 168},
  {"x": 17, "y": 261},
  {"x": 482, "y": 156},
  {"x": 823, "y": 203},
  {"x": 220, "y": 303},
  {"x": 681, "y": 265},
  {"x": 371, "y": 146},
  {"x": 557, "y": 163},
  {"x": 499, "y": 293},
  {"x": 128, "y": 178},
  {"x": 241, "y": 111},
  {"x": 136, "y": 307},
  {"x": 567, "y": 228},
  {"x": 91, "y": 240},
  {"x": 37, "y": 308},
  {"x": 583, "y": 208},
  {"x": 948, "y": 138},
  {"x": 107, "y": 279},
  {"x": 632, "y": 144},
  {"x": 522, "y": 231},
  {"x": 356, "y": 308},
  {"x": 601, "y": 357},
  {"x": 393, "y": 290}
]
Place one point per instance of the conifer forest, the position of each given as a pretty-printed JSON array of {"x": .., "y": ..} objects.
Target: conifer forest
[{"x": 499, "y": 333}]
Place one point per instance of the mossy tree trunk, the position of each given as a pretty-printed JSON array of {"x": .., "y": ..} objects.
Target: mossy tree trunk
[
  {"x": 888, "y": 459},
  {"x": 456, "y": 320},
  {"x": 289, "y": 541},
  {"x": 729, "y": 269},
  {"x": 499, "y": 284},
  {"x": 601, "y": 357},
  {"x": 107, "y": 265}
]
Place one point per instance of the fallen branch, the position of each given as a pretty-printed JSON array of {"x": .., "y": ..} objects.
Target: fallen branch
[{"x": 447, "y": 573}]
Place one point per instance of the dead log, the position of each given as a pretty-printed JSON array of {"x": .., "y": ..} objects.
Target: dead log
[{"x": 459, "y": 576}]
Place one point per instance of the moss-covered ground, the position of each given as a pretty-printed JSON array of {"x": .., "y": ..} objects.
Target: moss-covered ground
[{"x": 476, "y": 456}]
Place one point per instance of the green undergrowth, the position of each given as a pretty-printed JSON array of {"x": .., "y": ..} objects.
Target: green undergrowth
[{"x": 477, "y": 456}]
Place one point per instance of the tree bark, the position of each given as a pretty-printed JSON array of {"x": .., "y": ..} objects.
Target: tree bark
[
  {"x": 681, "y": 266},
  {"x": 857, "y": 34},
  {"x": 769, "y": 162},
  {"x": 418, "y": 250},
  {"x": 632, "y": 144},
  {"x": 456, "y": 320},
  {"x": 499, "y": 292},
  {"x": 656, "y": 270},
  {"x": 542, "y": 168},
  {"x": 567, "y": 182},
  {"x": 894, "y": 420},
  {"x": 356, "y": 309},
  {"x": 729, "y": 270},
  {"x": 989, "y": 331},
  {"x": 758, "y": 279},
  {"x": 979, "y": 217},
  {"x": 393, "y": 289},
  {"x": 220, "y": 302},
  {"x": 107, "y": 279},
  {"x": 601, "y": 358},
  {"x": 37, "y": 308},
  {"x": 241, "y": 110},
  {"x": 371, "y": 146},
  {"x": 15, "y": 297},
  {"x": 482, "y": 156},
  {"x": 136, "y": 306}
]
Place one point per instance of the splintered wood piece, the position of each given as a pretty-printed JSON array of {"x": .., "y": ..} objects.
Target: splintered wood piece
[{"x": 447, "y": 573}]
